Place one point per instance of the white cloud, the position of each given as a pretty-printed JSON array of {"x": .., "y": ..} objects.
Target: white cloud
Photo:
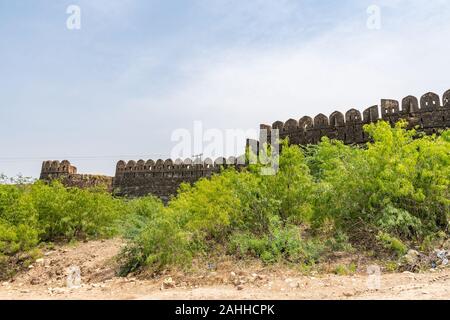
[
  {"x": 245, "y": 83},
  {"x": 349, "y": 66}
]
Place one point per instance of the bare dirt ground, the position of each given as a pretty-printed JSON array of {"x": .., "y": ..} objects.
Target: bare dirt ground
[{"x": 47, "y": 279}]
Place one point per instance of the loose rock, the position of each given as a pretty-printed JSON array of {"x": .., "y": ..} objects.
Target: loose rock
[{"x": 168, "y": 283}]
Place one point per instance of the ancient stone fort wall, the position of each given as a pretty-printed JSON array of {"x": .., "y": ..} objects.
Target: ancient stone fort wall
[
  {"x": 428, "y": 115},
  {"x": 162, "y": 178},
  {"x": 67, "y": 173}
]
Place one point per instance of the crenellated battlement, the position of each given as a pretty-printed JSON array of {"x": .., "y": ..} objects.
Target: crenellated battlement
[
  {"x": 428, "y": 116},
  {"x": 163, "y": 177},
  {"x": 57, "y": 168},
  {"x": 178, "y": 166},
  {"x": 67, "y": 174}
]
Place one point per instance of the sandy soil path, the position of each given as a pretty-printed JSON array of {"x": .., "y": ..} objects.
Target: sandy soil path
[{"x": 47, "y": 279}]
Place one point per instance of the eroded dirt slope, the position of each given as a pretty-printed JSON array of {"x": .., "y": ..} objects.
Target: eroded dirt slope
[{"x": 47, "y": 279}]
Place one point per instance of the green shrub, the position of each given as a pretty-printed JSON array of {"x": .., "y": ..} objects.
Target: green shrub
[
  {"x": 344, "y": 270},
  {"x": 159, "y": 244},
  {"x": 33, "y": 213},
  {"x": 392, "y": 191},
  {"x": 139, "y": 213},
  {"x": 392, "y": 243},
  {"x": 281, "y": 243},
  {"x": 71, "y": 213},
  {"x": 14, "y": 239},
  {"x": 400, "y": 222},
  {"x": 399, "y": 183}
]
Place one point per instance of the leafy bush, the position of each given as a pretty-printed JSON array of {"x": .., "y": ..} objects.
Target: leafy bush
[
  {"x": 282, "y": 243},
  {"x": 33, "y": 213},
  {"x": 399, "y": 183},
  {"x": 72, "y": 213},
  {"x": 391, "y": 193},
  {"x": 400, "y": 223},
  {"x": 160, "y": 243},
  {"x": 345, "y": 270},
  {"x": 394, "y": 191},
  {"x": 391, "y": 243}
]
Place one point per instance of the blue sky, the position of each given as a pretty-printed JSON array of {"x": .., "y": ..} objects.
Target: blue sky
[{"x": 139, "y": 69}]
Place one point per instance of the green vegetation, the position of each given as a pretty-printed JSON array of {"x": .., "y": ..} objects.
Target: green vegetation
[
  {"x": 387, "y": 196},
  {"x": 343, "y": 270},
  {"x": 39, "y": 212}
]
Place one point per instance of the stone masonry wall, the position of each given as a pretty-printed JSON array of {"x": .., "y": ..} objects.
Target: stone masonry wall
[
  {"x": 428, "y": 115},
  {"x": 67, "y": 174},
  {"x": 162, "y": 178}
]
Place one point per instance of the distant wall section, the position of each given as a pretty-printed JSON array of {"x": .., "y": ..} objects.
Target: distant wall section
[
  {"x": 67, "y": 174},
  {"x": 163, "y": 178}
]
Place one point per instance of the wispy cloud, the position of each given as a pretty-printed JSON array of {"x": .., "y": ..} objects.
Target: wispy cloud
[
  {"x": 347, "y": 66},
  {"x": 138, "y": 70}
]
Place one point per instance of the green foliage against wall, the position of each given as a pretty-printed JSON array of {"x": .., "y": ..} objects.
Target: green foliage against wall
[
  {"x": 390, "y": 194},
  {"x": 397, "y": 183},
  {"x": 30, "y": 214}
]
